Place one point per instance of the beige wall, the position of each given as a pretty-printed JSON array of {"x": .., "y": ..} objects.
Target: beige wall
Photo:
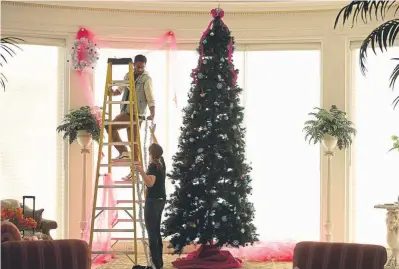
[{"x": 278, "y": 29}]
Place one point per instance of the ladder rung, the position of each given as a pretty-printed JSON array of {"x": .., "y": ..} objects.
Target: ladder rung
[
  {"x": 128, "y": 201},
  {"x": 123, "y": 182},
  {"x": 118, "y": 143},
  {"x": 114, "y": 186},
  {"x": 121, "y": 164},
  {"x": 118, "y": 102},
  {"x": 125, "y": 220},
  {"x": 114, "y": 208},
  {"x": 111, "y": 252},
  {"x": 119, "y": 83},
  {"x": 114, "y": 230},
  {"x": 128, "y": 220},
  {"x": 119, "y": 122},
  {"x": 126, "y": 238},
  {"x": 117, "y": 207}
]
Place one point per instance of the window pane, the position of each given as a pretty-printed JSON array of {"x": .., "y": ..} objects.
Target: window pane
[
  {"x": 29, "y": 145},
  {"x": 286, "y": 169},
  {"x": 375, "y": 169}
]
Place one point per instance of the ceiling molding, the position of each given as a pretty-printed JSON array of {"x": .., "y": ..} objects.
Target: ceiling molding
[{"x": 187, "y": 7}]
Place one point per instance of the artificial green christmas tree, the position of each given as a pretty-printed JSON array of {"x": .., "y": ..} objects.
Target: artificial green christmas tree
[{"x": 210, "y": 204}]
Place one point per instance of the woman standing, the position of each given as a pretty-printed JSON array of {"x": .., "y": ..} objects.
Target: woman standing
[{"x": 155, "y": 201}]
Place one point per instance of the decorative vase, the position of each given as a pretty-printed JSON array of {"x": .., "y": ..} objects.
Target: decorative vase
[
  {"x": 84, "y": 138},
  {"x": 329, "y": 142}
]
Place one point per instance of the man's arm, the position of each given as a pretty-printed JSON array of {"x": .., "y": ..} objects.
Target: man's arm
[
  {"x": 121, "y": 89},
  {"x": 150, "y": 97}
]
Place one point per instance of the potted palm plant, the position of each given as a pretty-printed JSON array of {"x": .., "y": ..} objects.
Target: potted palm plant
[
  {"x": 382, "y": 37},
  {"x": 330, "y": 127},
  {"x": 7, "y": 48},
  {"x": 81, "y": 124}
]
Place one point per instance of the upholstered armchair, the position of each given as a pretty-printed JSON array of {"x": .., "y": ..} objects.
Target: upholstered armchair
[
  {"x": 44, "y": 254},
  {"x": 322, "y": 255}
]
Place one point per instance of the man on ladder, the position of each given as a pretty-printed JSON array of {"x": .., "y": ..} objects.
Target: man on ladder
[{"x": 145, "y": 97}]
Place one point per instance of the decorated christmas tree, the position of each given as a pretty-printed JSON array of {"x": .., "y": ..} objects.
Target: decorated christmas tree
[{"x": 210, "y": 204}]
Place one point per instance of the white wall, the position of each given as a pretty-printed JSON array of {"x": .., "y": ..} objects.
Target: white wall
[{"x": 251, "y": 25}]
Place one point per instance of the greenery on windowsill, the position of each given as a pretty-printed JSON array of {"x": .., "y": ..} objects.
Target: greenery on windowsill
[
  {"x": 7, "y": 48},
  {"x": 332, "y": 122},
  {"x": 395, "y": 140},
  {"x": 81, "y": 119}
]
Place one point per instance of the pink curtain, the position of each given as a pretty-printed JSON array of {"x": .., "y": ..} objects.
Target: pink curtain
[{"x": 106, "y": 220}]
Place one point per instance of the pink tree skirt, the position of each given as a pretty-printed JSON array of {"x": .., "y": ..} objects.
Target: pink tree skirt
[{"x": 265, "y": 251}]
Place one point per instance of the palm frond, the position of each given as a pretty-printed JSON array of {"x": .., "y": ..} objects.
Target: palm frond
[
  {"x": 365, "y": 9},
  {"x": 382, "y": 37},
  {"x": 7, "y": 48}
]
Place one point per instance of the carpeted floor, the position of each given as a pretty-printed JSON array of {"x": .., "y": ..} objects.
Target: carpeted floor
[{"x": 122, "y": 262}]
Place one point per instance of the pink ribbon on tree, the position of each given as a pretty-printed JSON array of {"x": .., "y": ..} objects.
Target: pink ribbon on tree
[{"x": 216, "y": 12}]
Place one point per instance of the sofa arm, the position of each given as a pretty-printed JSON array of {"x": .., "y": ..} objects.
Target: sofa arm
[
  {"x": 45, "y": 254},
  {"x": 322, "y": 255}
]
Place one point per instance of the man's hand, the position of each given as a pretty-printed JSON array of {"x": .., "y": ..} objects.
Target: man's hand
[
  {"x": 152, "y": 128},
  {"x": 150, "y": 117},
  {"x": 115, "y": 92}
]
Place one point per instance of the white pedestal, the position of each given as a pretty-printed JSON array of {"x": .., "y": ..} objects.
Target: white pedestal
[{"x": 392, "y": 223}]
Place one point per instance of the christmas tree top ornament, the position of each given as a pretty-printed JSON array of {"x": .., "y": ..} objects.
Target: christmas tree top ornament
[{"x": 210, "y": 204}]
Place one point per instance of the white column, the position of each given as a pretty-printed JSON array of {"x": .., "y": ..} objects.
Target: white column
[{"x": 334, "y": 84}]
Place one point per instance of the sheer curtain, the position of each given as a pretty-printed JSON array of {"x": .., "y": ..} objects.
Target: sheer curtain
[
  {"x": 375, "y": 169},
  {"x": 31, "y": 152},
  {"x": 157, "y": 68},
  {"x": 281, "y": 88}
]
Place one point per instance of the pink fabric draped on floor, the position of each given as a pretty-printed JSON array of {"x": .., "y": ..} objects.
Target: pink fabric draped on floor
[
  {"x": 208, "y": 257},
  {"x": 106, "y": 220},
  {"x": 265, "y": 251}
]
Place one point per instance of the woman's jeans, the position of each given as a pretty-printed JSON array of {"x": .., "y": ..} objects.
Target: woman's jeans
[{"x": 152, "y": 216}]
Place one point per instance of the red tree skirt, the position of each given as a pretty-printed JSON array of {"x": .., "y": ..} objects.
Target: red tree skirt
[
  {"x": 208, "y": 257},
  {"x": 265, "y": 251}
]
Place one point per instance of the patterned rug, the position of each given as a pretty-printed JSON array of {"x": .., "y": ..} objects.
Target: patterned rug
[{"x": 122, "y": 262}]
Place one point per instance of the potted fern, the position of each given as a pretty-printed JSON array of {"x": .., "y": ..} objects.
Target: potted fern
[
  {"x": 330, "y": 127},
  {"x": 81, "y": 124}
]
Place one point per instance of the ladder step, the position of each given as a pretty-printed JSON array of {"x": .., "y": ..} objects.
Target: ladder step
[
  {"x": 120, "y": 61},
  {"x": 118, "y": 143},
  {"x": 114, "y": 208},
  {"x": 119, "y": 83},
  {"x": 114, "y": 186},
  {"x": 117, "y": 207},
  {"x": 118, "y": 102},
  {"x": 111, "y": 252},
  {"x": 127, "y": 201},
  {"x": 120, "y": 122},
  {"x": 126, "y": 238},
  {"x": 125, "y": 220},
  {"x": 119, "y": 164},
  {"x": 123, "y": 182},
  {"x": 114, "y": 230}
]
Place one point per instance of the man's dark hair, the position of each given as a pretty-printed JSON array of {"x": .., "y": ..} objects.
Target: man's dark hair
[{"x": 140, "y": 58}]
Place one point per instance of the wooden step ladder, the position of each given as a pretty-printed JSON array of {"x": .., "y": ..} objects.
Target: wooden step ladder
[{"x": 128, "y": 206}]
